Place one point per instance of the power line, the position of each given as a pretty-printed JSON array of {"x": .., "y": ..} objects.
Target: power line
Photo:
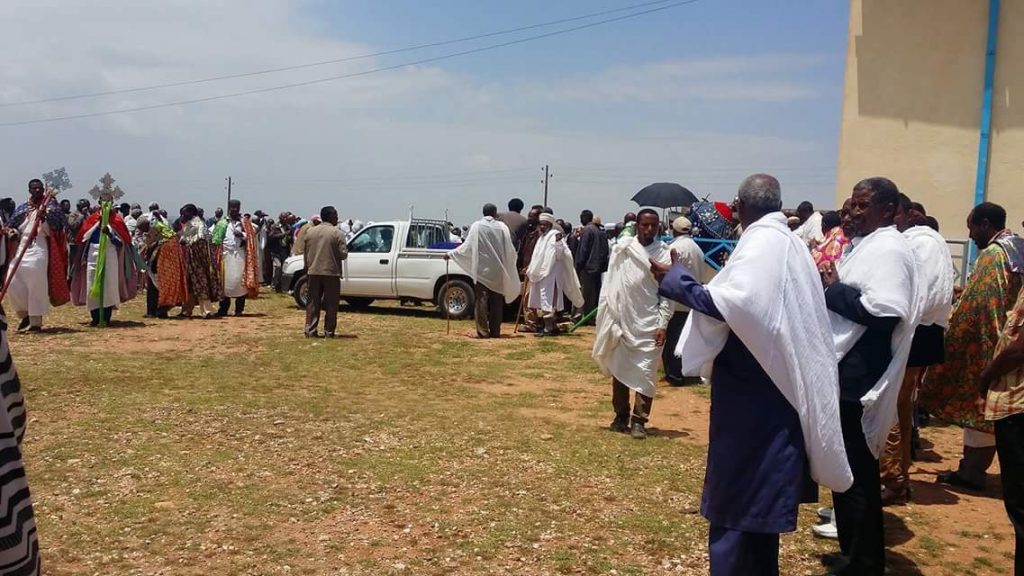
[
  {"x": 327, "y": 62},
  {"x": 347, "y": 76}
]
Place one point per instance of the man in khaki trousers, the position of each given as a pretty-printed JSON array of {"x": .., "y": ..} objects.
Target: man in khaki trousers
[{"x": 325, "y": 249}]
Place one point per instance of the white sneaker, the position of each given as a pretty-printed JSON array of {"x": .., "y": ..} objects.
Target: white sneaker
[
  {"x": 825, "y": 514},
  {"x": 826, "y": 530}
]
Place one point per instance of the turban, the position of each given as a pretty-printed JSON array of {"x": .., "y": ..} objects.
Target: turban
[{"x": 549, "y": 218}]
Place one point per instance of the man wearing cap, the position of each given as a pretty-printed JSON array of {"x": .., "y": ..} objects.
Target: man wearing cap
[
  {"x": 691, "y": 256},
  {"x": 552, "y": 275},
  {"x": 591, "y": 261}
]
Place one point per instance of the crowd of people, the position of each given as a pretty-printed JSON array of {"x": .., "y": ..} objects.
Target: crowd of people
[
  {"x": 818, "y": 335},
  {"x": 101, "y": 255},
  {"x": 823, "y": 336}
]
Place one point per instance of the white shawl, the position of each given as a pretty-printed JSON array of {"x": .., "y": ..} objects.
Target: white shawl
[
  {"x": 770, "y": 295},
  {"x": 935, "y": 272},
  {"x": 552, "y": 256},
  {"x": 882, "y": 268},
  {"x": 489, "y": 257},
  {"x": 630, "y": 314}
]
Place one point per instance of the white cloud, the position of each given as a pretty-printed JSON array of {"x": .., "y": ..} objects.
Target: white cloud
[{"x": 372, "y": 145}]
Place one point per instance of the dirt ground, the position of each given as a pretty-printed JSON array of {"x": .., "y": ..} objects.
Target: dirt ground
[{"x": 944, "y": 531}]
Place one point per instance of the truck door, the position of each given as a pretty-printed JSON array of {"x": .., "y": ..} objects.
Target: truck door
[{"x": 370, "y": 268}]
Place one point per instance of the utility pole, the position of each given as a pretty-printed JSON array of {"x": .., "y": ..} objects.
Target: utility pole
[
  {"x": 547, "y": 177},
  {"x": 229, "y": 192}
]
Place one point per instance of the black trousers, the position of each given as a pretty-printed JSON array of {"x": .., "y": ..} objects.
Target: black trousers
[
  {"x": 620, "y": 403},
  {"x": 590, "y": 285},
  {"x": 1010, "y": 447},
  {"x": 152, "y": 297},
  {"x": 490, "y": 307},
  {"x": 673, "y": 366},
  {"x": 859, "y": 510},
  {"x": 225, "y": 304}
]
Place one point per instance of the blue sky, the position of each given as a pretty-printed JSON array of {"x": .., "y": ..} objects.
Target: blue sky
[{"x": 701, "y": 94}]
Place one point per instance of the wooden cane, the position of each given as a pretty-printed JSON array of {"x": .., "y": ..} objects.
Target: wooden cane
[
  {"x": 522, "y": 304},
  {"x": 444, "y": 302}
]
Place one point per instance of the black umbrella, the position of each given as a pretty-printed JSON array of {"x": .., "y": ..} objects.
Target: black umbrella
[{"x": 664, "y": 195}]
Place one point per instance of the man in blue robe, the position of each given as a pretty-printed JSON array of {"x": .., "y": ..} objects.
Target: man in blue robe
[{"x": 774, "y": 421}]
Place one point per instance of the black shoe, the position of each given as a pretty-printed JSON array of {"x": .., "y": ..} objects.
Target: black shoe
[
  {"x": 675, "y": 381},
  {"x": 620, "y": 424},
  {"x": 25, "y": 322},
  {"x": 834, "y": 561},
  {"x": 329, "y": 335},
  {"x": 312, "y": 335},
  {"x": 219, "y": 314},
  {"x": 638, "y": 432},
  {"x": 35, "y": 329},
  {"x": 954, "y": 479}
]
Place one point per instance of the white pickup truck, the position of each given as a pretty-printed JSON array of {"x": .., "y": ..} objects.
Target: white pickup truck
[{"x": 395, "y": 261}]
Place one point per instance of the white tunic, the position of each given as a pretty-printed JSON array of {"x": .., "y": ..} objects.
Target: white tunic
[
  {"x": 111, "y": 278},
  {"x": 630, "y": 314},
  {"x": 233, "y": 255},
  {"x": 30, "y": 290},
  {"x": 552, "y": 273}
]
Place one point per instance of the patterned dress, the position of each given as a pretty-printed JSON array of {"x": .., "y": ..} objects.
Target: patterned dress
[
  {"x": 19, "y": 546},
  {"x": 202, "y": 277},
  {"x": 950, "y": 390}
]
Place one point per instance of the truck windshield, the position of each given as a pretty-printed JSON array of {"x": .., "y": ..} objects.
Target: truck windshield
[{"x": 377, "y": 239}]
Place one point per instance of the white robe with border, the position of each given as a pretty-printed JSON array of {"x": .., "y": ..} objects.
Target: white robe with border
[
  {"x": 770, "y": 294},
  {"x": 629, "y": 315}
]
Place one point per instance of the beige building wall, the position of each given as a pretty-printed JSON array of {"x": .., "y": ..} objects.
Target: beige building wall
[{"x": 912, "y": 104}]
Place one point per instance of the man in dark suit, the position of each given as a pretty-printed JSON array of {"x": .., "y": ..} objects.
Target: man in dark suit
[
  {"x": 515, "y": 220},
  {"x": 591, "y": 261}
]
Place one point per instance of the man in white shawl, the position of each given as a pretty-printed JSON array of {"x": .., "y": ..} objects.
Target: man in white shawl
[
  {"x": 552, "y": 275},
  {"x": 631, "y": 322},
  {"x": 774, "y": 425},
  {"x": 935, "y": 282},
  {"x": 488, "y": 255},
  {"x": 874, "y": 307},
  {"x": 809, "y": 229}
]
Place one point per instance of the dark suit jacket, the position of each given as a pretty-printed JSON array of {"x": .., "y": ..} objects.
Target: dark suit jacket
[
  {"x": 592, "y": 254},
  {"x": 865, "y": 363}
]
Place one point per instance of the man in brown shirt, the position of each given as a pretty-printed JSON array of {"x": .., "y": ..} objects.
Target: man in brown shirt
[{"x": 325, "y": 249}]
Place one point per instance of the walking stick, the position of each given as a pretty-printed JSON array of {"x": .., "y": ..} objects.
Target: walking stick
[
  {"x": 522, "y": 304},
  {"x": 40, "y": 215},
  {"x": 584, "y": 320},
  {"x": 447, "y": 310}
]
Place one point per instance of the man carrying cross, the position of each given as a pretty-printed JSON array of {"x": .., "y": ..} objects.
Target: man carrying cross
[{"x": 32, "y": 224}]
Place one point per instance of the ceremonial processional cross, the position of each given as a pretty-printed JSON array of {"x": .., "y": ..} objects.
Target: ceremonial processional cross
[{"x": 108, "y": 189}]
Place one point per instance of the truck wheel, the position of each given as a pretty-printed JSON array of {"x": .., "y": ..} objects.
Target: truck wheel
[
  {"x": 359, "y": 303},
  {"x": 300, "y": 292},
  {"x": 456, "y": 299}
]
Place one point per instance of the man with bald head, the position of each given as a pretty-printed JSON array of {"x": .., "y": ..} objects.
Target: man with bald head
[{"x": 774, "y": 400}]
